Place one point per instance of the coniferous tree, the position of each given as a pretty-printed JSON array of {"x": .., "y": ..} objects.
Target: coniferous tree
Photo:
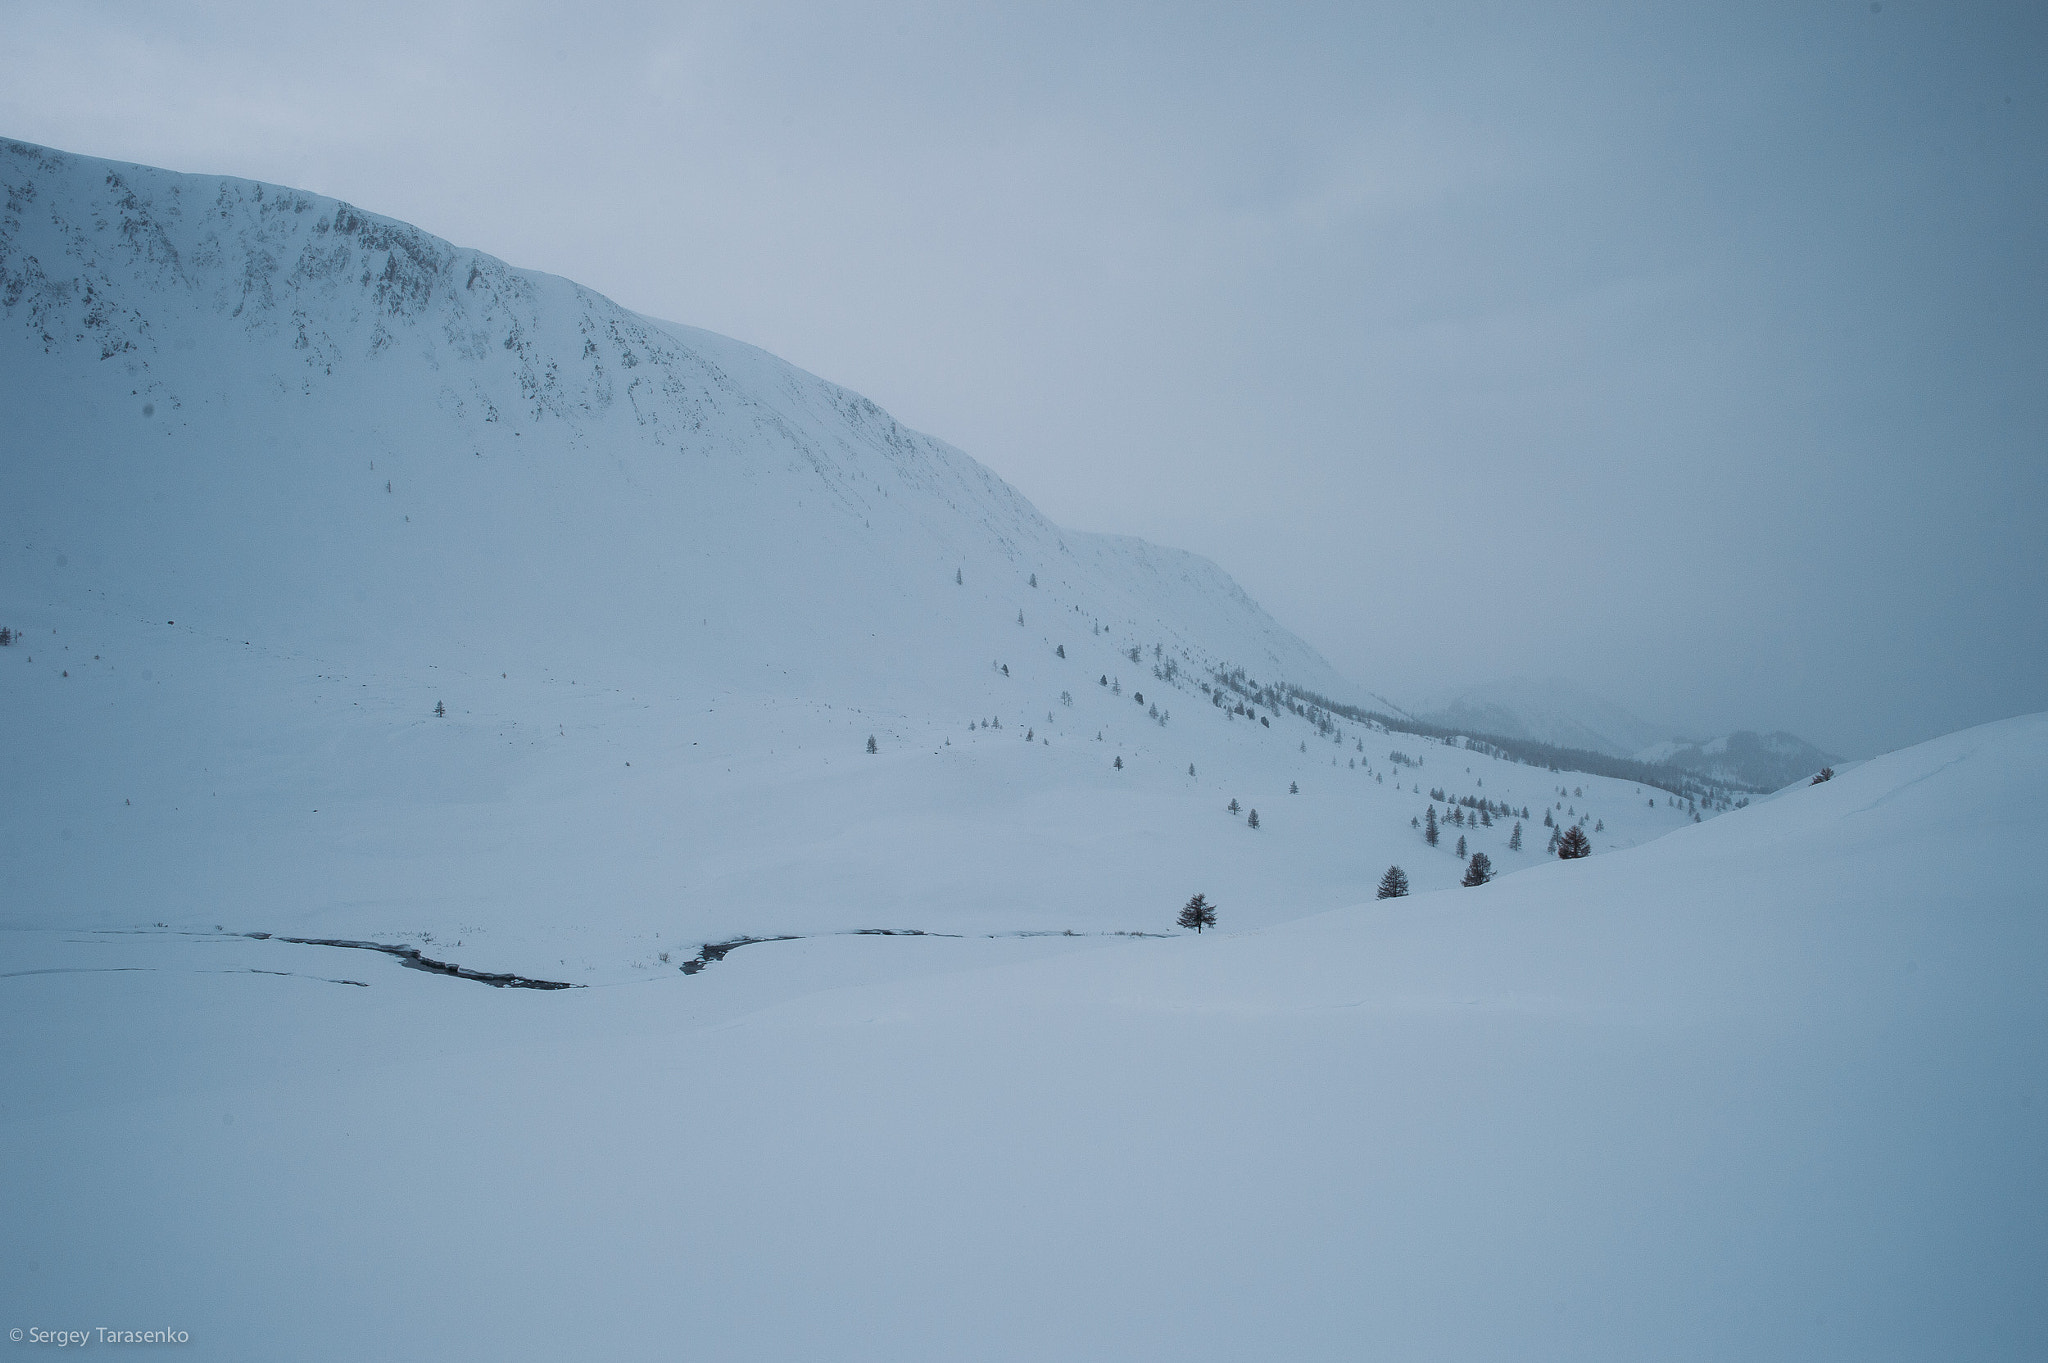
[
  {"x": 440, "y": 710},
  {"x": 1461, "y": 847},
  {"x": 1429, "y": 826},
  {"x": 6, "y": 636},
  {"x": 1252, "y": 819},
  {"x": 1394, "y": 884},
  {"x": 1293, "y": 789},
  {"x": 1515, "y": 839},
  {"x": 1034, "y": 579},
  {"x": 1234, "y": 806},
  {"x": 1119, "y": 764},
  {"x": 871, "y": 744},
  {"x": 957, "y": 579},
  {"x": 1197, "y": 913},
  {"x": 1824, "y": 774},
  {"x": 1478, "y": 872},
  {"x": 1574, "y": 844},
  {"x": 1061, "y": 651}
]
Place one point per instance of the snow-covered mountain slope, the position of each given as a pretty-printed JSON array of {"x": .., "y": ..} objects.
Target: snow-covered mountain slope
[
  {"x": 1775, "y": 1087},
  {"x": 281, "y": 477},
  {"x": 1759, "y": 761},
  {"x": 1554, "y": 712},
  {"x": 259, "y": 411}
]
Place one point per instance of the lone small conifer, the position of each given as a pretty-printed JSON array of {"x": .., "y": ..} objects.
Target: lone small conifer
[
  {"x": 1394, "y": 884},
  {"x": 871, "y": 744},
  {"x": 1197, "y": 913}
]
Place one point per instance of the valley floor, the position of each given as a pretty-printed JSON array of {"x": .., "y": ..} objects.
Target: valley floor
[{"x": 1771, "y": 1087}]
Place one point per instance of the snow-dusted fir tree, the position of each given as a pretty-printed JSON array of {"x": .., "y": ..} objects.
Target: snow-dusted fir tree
[
  {"x": 1197, "y": 913},
  {"x": 1394, "y": 884}
]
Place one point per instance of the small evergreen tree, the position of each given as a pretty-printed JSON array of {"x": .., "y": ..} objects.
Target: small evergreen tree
[
  {"x": 957, "y": 579},
  {"x": 1119, "y": 764},
  {"x": 1429, "y": 827},
  {"x": 1191, "y": 769},
  {"x": 1478, "y": 872},
  {"x": 871, "y": 744},
  {"x": 1234, "y": 806},
  {"x": 6, "y": 636},
  {"x": 1293, "y": 789},
  {"x": 1824, "y": 774},
  {"x": 440, "y": 710},
  {"x": 1252, "y": 819},
  {"x": 1034, "y": 579},
  {"x": 1197, "y": 913},
  {"x": 1061, "y": 651},
  {"x": 1394, "y": 884},
  {"x": 1574, "y": 844},
  {"x": 1515, "y": 839},
  {"x": 1461, "y": 847}
]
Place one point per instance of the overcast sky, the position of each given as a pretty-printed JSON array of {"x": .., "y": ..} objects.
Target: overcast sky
[{"x": 1698, "y": 354}]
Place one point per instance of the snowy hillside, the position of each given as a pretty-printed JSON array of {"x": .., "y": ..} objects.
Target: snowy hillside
[
  {"x": 282, "y": 478},
  {"x": 385, "y": 624},
  {"x": 1775, "y": 1087}
]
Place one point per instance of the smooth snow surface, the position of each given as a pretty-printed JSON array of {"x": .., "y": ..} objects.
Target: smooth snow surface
[{"x": 1769, "y": 1088}]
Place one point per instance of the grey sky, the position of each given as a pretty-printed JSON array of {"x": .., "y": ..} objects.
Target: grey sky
[{"x": 1696, "y": 354}]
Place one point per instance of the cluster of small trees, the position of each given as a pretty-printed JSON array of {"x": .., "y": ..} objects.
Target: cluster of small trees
[{"x": 6, "y": 636}]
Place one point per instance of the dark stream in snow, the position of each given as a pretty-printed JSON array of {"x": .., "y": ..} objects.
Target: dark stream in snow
[{"x": 411, "y": 959}]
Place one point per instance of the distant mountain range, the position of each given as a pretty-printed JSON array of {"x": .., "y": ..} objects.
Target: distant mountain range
[{"x": 1562, "y": 715}]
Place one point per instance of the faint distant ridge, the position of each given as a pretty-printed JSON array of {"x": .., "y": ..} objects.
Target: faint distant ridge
[
  {"x": 1560, "y": 715},
  {"x": 1696, "y": 770},
  {"x": 1759, "y": 761},
  {"x": 1552, "y": 712},
  {"x": 1320, "y": 710}
]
